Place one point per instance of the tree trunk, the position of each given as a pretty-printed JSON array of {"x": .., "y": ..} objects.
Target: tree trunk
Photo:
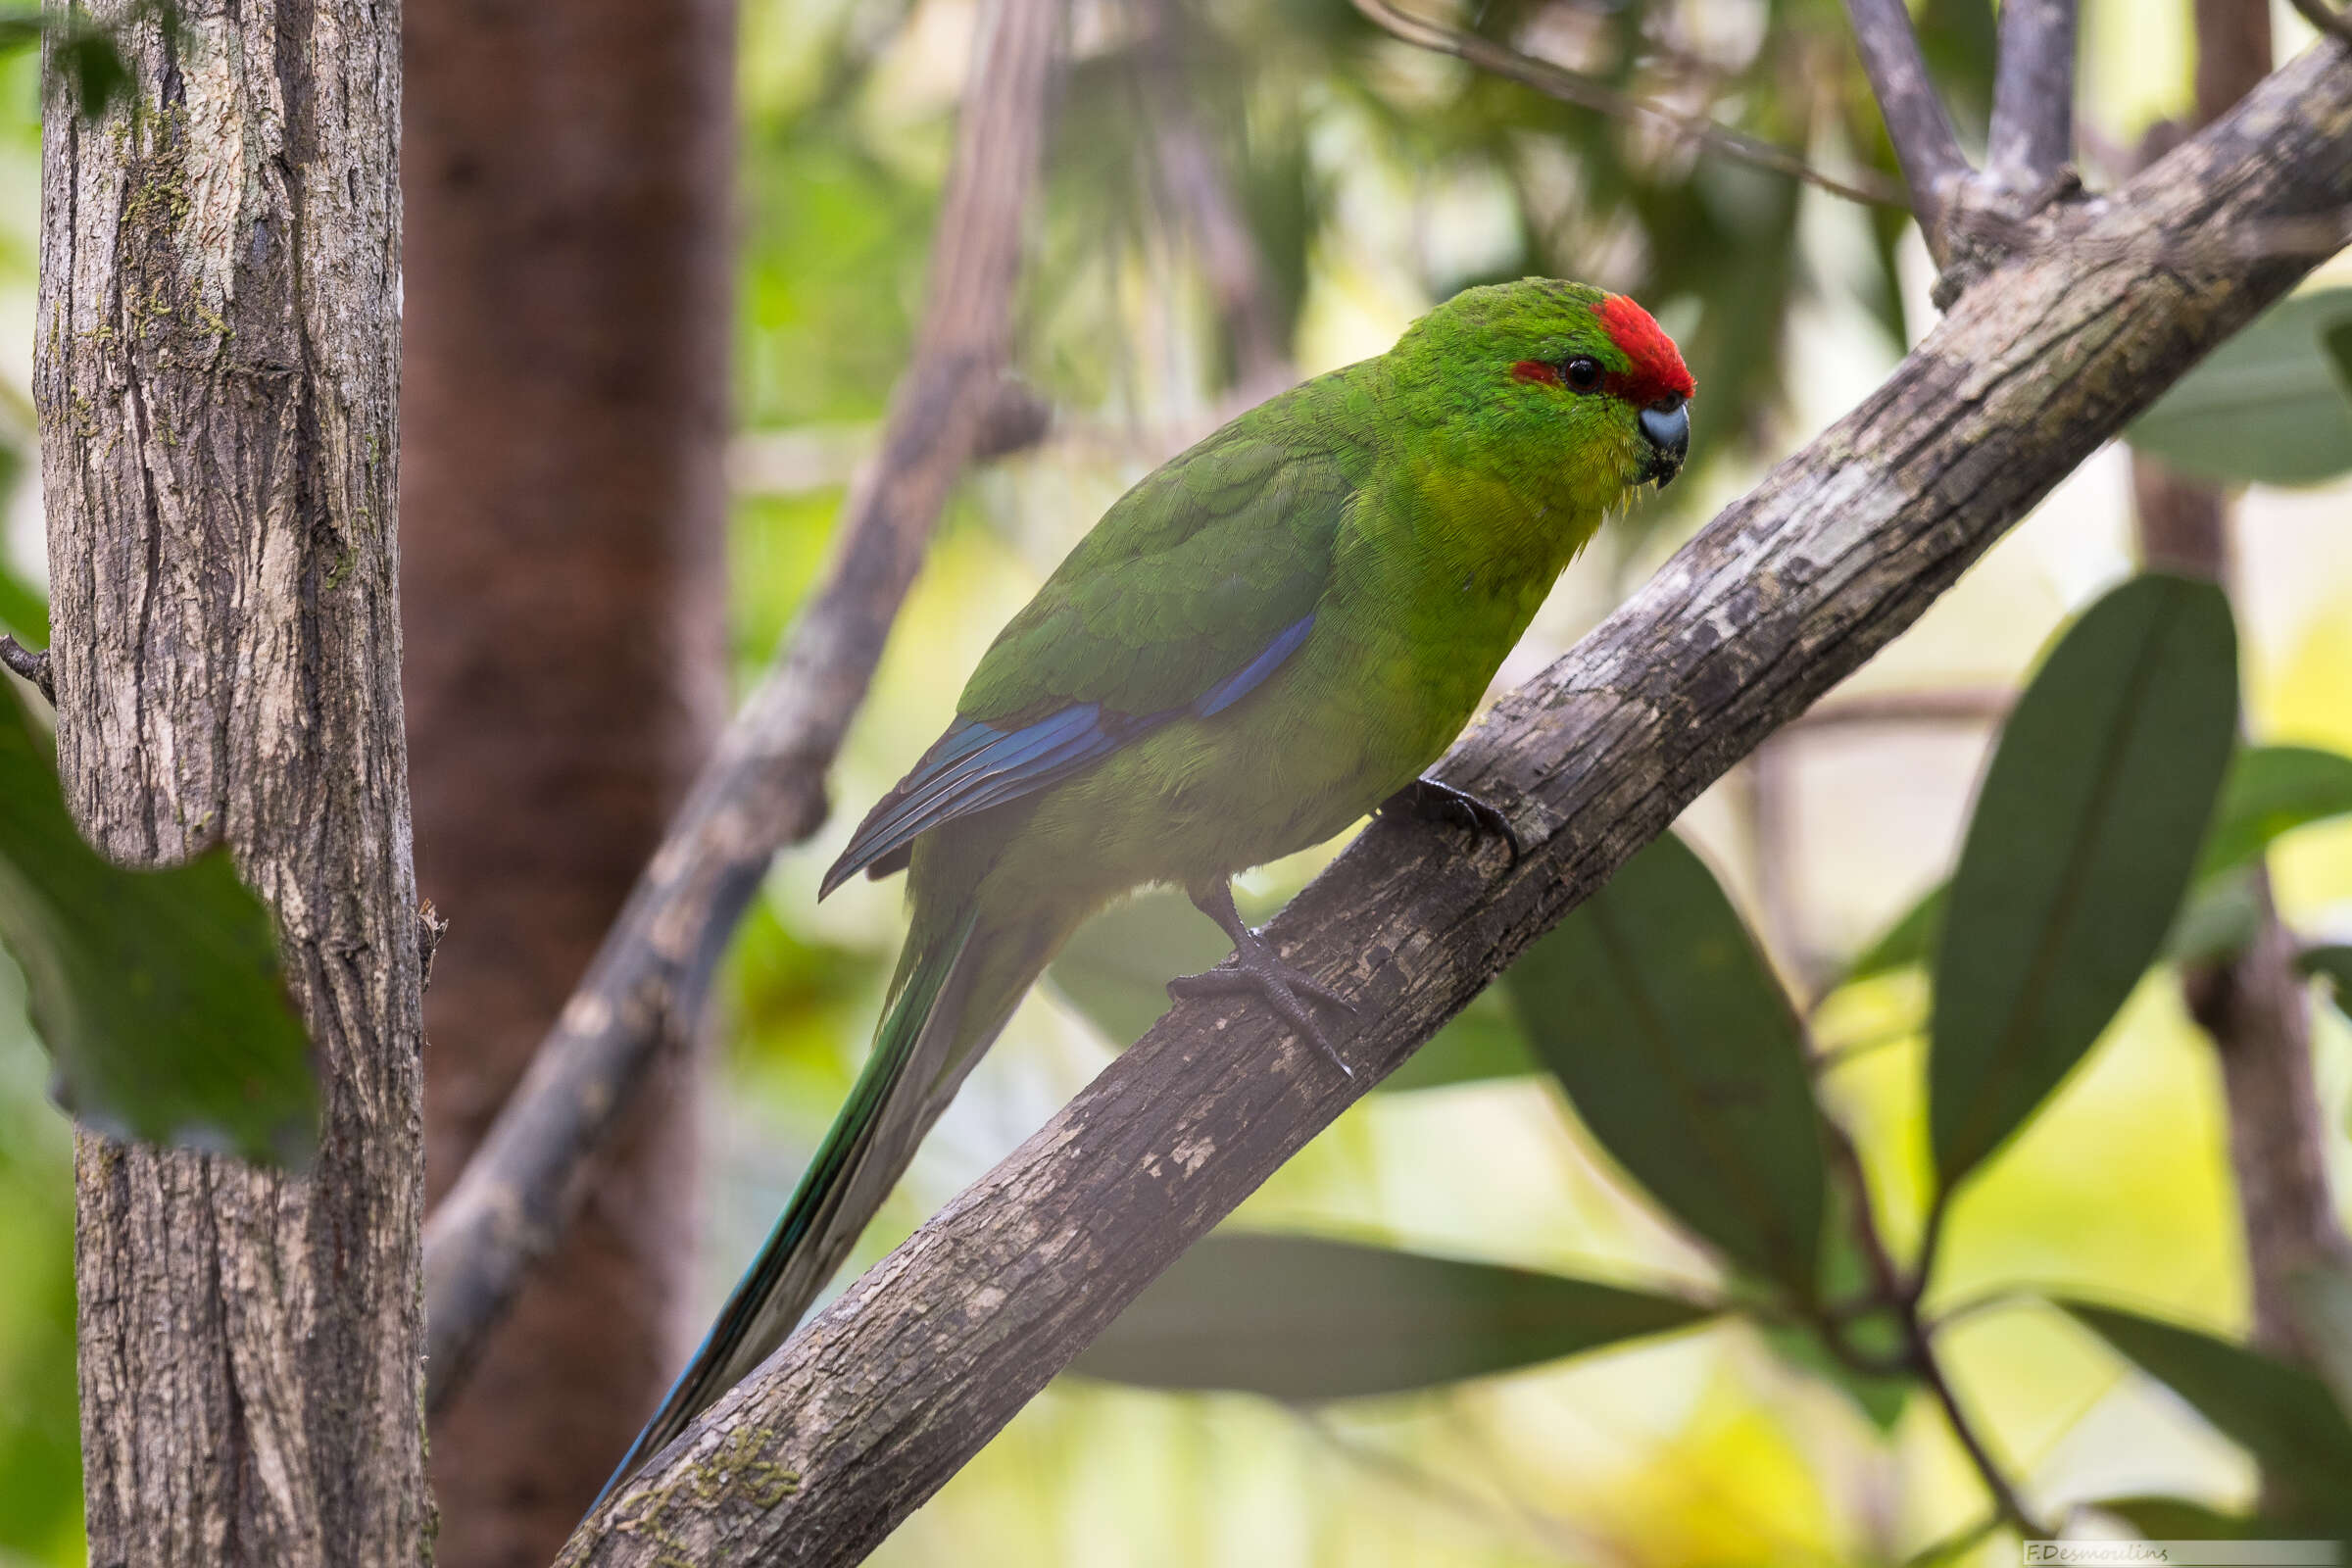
[
  {"x": 216, "y": 372},
  {"x": 2252, "y": 1005},
  {"x": 567, "y": 177}
]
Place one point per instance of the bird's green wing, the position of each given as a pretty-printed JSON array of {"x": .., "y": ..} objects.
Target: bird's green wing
[
  {"x": 1190, "y": 590},
  {"x": 1185, "y": 581}
]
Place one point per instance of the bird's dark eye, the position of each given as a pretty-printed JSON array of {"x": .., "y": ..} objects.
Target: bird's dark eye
[{"x": 1583, "y": 374}]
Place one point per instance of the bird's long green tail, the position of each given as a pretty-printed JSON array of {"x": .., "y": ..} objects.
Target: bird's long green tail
[{"x": 956, "y": 990}]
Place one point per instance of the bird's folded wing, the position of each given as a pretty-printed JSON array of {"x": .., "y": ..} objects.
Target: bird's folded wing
[{"x": 1188, "y": 595}]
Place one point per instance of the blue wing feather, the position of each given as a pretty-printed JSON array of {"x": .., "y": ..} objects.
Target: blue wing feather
[{"x": 976, "y": 765}]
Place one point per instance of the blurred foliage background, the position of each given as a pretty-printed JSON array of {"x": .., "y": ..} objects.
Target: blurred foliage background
[{"x": 1376, "y": 179}]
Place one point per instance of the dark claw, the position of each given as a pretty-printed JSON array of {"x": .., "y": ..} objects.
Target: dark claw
[
  {"x": 1254, "y": 968},
  {"x": 1434, "y": 802}
]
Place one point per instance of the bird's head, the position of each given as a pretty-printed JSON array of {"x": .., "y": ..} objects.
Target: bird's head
[{"x": 1559, "y": 380}]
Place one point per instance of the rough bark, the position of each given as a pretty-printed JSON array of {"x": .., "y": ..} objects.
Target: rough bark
[
  {"x": 764, "y": 787},
  {"x": 568, "y": 175},
  {"x": 216, "y": 359},
  {"x": 892, "y": 1388}
]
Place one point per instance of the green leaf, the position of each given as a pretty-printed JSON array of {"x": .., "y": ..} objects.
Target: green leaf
[
  {"x": 2219, "y": 919},
  {"x": 87, "y": 58},
  {"x": 2337, "y": 340},
  {"x": 2321, "y": 1296},
  {"x": 2080, "y": 844},
  {"x": 1910, "y": 940},
  {"x": 1654, "y": 1009},
  {"x": 1117, "y": 970},
  {"x": 2281, "y": 1414},
  {"x": 1482, "y": 1042},
  {"x": 2271, "y": 791},
  {"x": 2265, "y": 408},
  {"x": 156, "y": 992},
  {"x": 24, "y": 609},
  {"x": 2335, "y": 964},
  {"x": 2179, "y": 1519},
  {"x": 1300, "y": 1317},
  {"x": 1879, "y": 1399}
]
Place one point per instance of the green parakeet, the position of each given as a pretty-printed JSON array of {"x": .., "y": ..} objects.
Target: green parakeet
[{"x": 1265, "y": 639}]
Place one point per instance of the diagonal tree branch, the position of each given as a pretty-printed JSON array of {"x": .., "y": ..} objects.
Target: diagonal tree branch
[
  {"x": 2033, "y": 94},
  {"x": 765, "y": 788},
  {"x": 1925, "y": 143},
  {"x": 892, "y": 1388}
]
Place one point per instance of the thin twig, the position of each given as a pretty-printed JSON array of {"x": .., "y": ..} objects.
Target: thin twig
[
  {"x": 765, "y": 788},
  {"x": 32, "y": 663},
  {"x": 1962, "y": 706},
  {"x": 1925, "y": 143},
  {"x": 2005, "y": 1500},
  {"x": 2032, "y": 132},
  {"x": 1566, "y": 85},
  {"x": 1900, "y": 1295},
  {"x": 890, "y": 1391}
]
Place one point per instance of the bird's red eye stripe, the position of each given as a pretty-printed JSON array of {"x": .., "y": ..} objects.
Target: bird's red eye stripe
[
  {"x": 1536, "y": 370},
  {"x": 1655, "y": 367}
]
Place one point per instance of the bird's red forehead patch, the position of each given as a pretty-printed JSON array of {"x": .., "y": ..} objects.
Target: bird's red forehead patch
[{"x": 1656, "y": 368}]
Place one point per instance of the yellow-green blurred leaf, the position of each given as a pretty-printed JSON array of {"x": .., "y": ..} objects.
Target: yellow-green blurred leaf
[{"x": 2265, "y": 408}]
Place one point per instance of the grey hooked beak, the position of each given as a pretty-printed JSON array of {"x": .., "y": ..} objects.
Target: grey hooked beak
[{"x": 1666, "y": 425}]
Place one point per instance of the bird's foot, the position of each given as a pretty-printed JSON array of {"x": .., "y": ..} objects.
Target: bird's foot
[
  {"x": 1432, "y": 801},
  {"x": 1257, "y": 966}
]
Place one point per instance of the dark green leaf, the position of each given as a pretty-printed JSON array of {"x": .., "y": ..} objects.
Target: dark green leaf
[
  {"x": 2281, "y": 1414},
  {"x": 1654, "y": 1009},
  {"x": 2267, "y": 406},
  {"x": 2077, "y": 852},
  {"x": 2179, "y": 1519},
  {"x": 1910, "y": 940},
  {"x": 89, "y": 60},
  {"x": 1117, "y": 970},
  {"x": 2334, "y": 963},
  {"x": 2337, "y": 340},
  {"x": 1300, "y": 1317},
  {"x": 2321, "y": 1295},
  {"x": 156, "y": 992},
  {"x": 2271, "y": 790}
]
